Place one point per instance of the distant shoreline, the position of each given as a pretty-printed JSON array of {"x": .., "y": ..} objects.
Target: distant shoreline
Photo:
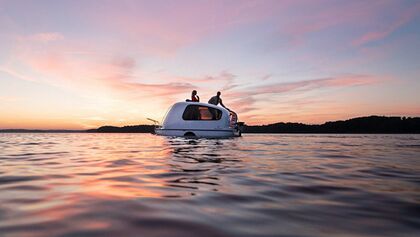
[{"x": 360, "y": 125}]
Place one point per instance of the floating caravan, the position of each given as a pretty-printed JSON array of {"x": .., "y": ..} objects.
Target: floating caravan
[{"x": 194, "y": 119}]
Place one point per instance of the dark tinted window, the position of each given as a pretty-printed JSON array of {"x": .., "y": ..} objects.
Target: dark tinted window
[{"x": 196, "y": 112}]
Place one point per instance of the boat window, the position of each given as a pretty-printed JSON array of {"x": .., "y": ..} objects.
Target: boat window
[{"x": 196, "y": 112}]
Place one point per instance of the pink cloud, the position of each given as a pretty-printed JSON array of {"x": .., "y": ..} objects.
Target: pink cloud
[
  {"x": 403, "y": 18},
  {"x": 341, "y": 81},
  {"x": 75, "y": 67},
  {"x": 248, "y": 101},
  {"x": 118, "y": 76},
  {"x": 225, "y": 81},
  {"x": 306, "y": 17},
  {"x": 45, "y": 37},
  {"x": 302, "y": 19},
  {"x": 15, "y": 74},
  {"x": 157, "y": 90},
  {"x": 160, "y": 29}
]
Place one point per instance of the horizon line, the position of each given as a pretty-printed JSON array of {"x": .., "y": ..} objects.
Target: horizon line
[{"x": 81, "y": 130}]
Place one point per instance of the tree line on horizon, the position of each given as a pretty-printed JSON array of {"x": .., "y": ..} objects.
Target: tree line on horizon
[{"x": 371, "y": 124}]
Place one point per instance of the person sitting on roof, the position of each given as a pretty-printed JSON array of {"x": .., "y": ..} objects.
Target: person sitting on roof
[{"x": 194, "y": 96}]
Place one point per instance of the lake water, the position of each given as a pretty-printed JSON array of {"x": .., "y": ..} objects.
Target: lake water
[{"x": 257, "y": 185}]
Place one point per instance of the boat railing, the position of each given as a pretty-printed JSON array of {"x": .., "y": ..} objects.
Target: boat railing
[{"x": 155, "y": 122}]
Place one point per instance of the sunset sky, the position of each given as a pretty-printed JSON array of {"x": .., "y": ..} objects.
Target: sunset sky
[{"x": 80, "y": 64}]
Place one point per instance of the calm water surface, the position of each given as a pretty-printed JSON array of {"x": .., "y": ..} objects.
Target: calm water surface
[{"x": 257, "y": 185}]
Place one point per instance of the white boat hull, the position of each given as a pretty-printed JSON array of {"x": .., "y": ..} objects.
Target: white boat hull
[{"x": 197, "y": 133}]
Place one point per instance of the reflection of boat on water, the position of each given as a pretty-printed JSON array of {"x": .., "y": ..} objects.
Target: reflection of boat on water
[
  {"x": 193, "y": 119},
  {"x": 200, "y": 164}
]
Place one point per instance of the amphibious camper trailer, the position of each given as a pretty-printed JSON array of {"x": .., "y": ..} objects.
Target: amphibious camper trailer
[{"x": 193, "y": 119}]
